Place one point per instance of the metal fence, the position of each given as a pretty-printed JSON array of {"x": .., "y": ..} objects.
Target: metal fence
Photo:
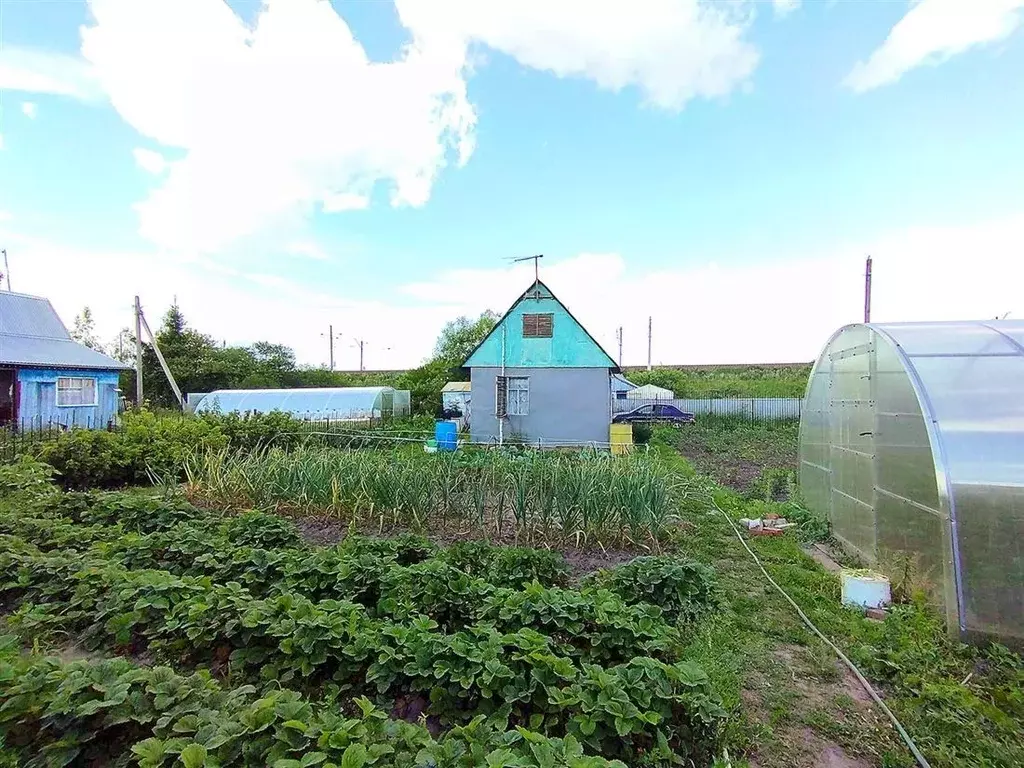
[
  {"x": 750, "y": 408},
  {"x": 24, "y": 435}
]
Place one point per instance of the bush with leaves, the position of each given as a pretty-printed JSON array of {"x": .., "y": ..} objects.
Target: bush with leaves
[
  {"x": 262, "y": 530},
  {"x": 507, "y": 566},
  {"x": 112, "y": 712},
  {"x": 682, "y": 588}
]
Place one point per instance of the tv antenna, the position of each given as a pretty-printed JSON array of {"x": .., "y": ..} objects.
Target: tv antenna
[{"x": 536, "y": 265}]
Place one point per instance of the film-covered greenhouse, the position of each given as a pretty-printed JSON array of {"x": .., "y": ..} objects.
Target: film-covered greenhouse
[
  {"x": 912, "y": 442},
  {"x": 341, "y": 403}
]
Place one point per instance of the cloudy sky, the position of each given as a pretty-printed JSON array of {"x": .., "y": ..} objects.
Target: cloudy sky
[{"x": 723, "y": 167}]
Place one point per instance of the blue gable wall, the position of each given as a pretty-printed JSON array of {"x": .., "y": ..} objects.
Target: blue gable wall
[
  {"x": 569, "y": 347},
  {"x": 37, "y": 399}
]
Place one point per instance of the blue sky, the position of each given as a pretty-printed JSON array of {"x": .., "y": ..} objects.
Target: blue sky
[{"x": 722, "y": 167}]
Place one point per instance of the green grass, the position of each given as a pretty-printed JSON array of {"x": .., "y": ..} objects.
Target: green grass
[
  {"x": 785, "y": 693},
  {"x": 752, "y": 381},
  {"x": 735, "y": 451}
]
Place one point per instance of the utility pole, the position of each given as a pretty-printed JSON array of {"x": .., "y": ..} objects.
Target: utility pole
[
  {"x": 330, "y": 344},
  {"x": 361, "y": 344},
  {"x": 618, "y": 333},
  {"x": 7, "y": 269},
  {"x": 650, "y": 321},
  {"x": 138, "y": 353},
  {"x": 867, "y": 291}
]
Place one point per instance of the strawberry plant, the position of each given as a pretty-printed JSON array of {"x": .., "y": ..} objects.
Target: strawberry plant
[{"x": 681, "y": 588}]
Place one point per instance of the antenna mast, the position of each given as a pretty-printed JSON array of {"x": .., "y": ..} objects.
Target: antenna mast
[{"x": 536, "y": 266}]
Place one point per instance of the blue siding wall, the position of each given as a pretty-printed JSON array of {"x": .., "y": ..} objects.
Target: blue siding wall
[{"x": 37, "y": 399}]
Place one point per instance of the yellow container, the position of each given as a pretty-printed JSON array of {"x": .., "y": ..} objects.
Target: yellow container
[{"x": 621, "y": 438}]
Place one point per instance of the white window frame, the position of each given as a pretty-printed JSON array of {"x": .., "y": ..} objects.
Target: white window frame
[
  {"x": 66, "y": 380},
  {"x": 518, "y": 402}
]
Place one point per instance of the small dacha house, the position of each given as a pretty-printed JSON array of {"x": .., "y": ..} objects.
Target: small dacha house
[
  {"x": 46, "y": 378},
  {"x": 540, "y": 377}
]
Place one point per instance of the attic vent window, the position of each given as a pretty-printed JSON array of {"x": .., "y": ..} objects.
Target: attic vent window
[{"x": 538, "y": 325}]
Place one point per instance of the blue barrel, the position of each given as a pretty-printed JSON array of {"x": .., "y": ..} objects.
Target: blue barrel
[{"x": 447, "y": 436}]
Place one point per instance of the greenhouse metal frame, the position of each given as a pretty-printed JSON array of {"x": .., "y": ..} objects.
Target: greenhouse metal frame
[{"x": 912, "y": 443}]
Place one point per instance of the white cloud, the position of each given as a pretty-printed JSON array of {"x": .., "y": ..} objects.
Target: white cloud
[
  {"x": 5, "y": 216},
  {"x": 785, "y": 7},
  {"x": 345, "y": 201},
  {"x": 150, "y": 161},
  {"x": 307, "y": 249},
  {"x": 673, "y": 51},
  {"x": 273, "y": 117},
  {"x": 287, "y": 113},
  {"x": 733, "y": 311},
  {"x": 933, "y": 31},
  {"x": 29, "y": 109},
  {"x": 34, "y": 71}
]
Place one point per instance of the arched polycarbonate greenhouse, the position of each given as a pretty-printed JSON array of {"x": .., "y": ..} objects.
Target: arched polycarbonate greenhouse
[
  {"x": 912, "y": 442},
  {"x": 342, "y": 403}
]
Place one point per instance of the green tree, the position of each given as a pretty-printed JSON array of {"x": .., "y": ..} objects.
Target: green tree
[
  {"x": 457, "y": 340},
  {"x": 460, "y": 336},
  {"x": 84, "y": 330}
]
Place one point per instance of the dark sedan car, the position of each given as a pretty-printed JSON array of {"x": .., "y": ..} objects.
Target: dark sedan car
[{"x": 654, "y": 414}]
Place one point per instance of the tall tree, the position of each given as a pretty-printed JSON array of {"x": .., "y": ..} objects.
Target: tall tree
[
  {"x": 460, "y": 336},
  {"x": 84, "y": 330},
  {"x": 457, "y": 340}
]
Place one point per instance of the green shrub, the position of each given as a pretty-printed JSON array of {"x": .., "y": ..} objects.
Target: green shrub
[
  {"x": 113, "y": 712},
  {"x": 262, "y": 530},
  {"x": 507, "y": 566},
  {"x": 681, "y": 588}
]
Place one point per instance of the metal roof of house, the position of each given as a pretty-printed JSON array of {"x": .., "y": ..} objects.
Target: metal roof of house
[
  {"x": 457, "y": 386},
  {"x": 31, "y": 334}
]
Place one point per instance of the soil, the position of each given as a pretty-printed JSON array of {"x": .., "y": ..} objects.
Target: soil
[
  {"x": 816, "y": 717},
  {"x": 726, "y": 469},
  {"x": 326, "y": 531}
]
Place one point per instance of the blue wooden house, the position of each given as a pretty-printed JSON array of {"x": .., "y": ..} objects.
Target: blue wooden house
[
  {"x": 46, "y": 378},
  {"x": 538, "y": 376}
]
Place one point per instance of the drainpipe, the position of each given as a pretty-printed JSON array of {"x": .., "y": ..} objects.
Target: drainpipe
[{"x": 501, "y": 419}]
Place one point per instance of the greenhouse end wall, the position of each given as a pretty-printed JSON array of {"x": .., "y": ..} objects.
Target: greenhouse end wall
[{"x": 912, "y": 443}]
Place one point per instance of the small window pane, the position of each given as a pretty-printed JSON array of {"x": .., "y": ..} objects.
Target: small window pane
[
  {"x": 518, "y": 396},
  {"x": 75, "y": 391}
]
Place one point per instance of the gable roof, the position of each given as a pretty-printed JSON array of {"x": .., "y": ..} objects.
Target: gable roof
[
  {"x": 538, "y": 289},
  {"x": 32, "y": 334}
]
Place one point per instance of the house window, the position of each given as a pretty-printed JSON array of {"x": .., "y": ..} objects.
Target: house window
[
  {"x": 538, "y": 326},
  {"x": 518, "y": 396},
  {"x": 75, "y": 391}
]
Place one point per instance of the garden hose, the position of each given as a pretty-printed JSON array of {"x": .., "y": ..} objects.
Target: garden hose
[{"x": 921, "y": 761}]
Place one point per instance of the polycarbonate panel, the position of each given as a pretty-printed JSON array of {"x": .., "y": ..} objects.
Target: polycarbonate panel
[
  {"x": 990, "y": 533},
  {"x": 912, "y": 539},
  {"x": 313, "y": 402},
  {"x": 948, "y": 339},
  {"x": 916, "y": 436},
  {"x": 905, "y": 465},
  {"x": 979, "y": 407},
  {"x": 853, "y": 522}
]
